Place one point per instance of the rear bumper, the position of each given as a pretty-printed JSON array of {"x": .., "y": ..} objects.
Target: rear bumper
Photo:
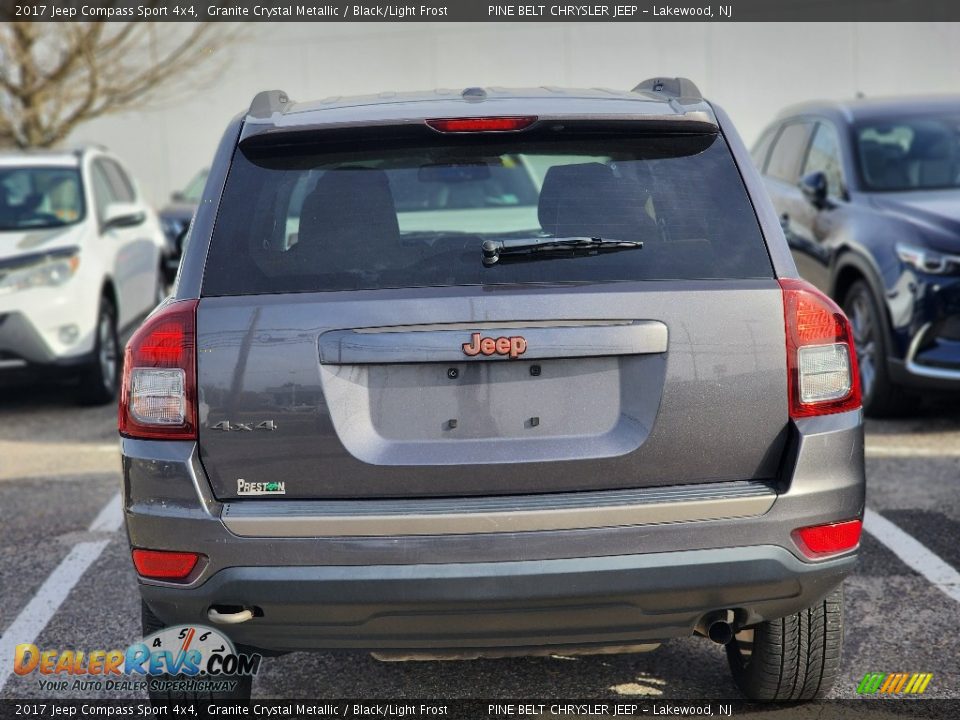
[
  {"x": 505, "y": 606},
  {"x": 507, "y": 587}
]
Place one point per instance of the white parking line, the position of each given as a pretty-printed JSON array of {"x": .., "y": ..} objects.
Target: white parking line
[
  {"x": 911, "y": 451},
  {"x": 914, "y": 554},
  {"x": 31, "y": 621},
  {"x": 110, "y": 517},
  {"x": 21, "y": 459}
]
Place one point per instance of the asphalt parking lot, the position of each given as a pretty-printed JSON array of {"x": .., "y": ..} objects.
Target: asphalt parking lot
[{"x": 59, "y": 478}]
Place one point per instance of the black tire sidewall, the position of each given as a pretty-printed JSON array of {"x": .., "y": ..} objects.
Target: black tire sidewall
[
  {"x": 794, "y": 658},
  {"x": 885, "y": 397},
  {"x": 92, "y": 389}
]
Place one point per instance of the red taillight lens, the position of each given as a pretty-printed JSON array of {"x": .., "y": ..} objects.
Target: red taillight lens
[
  {"x": 163, "y": 564},
  {"x": 158, "y": 399},
  {"x": 481, "y": 124},
  {"x": 821, "y": 540},
  {"x": 822, "y": 374},
  {"x": 164, "y": 345}
]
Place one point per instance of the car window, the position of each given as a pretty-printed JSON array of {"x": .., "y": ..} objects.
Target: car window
[
  {"x": 504, "y": 183},
  {"x": 103, "y": 192},
  {"x": 824, "y": 156},
  {"x": 40, "y": 197},
  {"x": 194, "y": 189},
  {"x": 921, "y": 153},
  {"x": 119, "y": 182},
  {"x": 789, "y": 148},
  {"x": 309, "y": 218},
  {"x": 761, "y": 148}
]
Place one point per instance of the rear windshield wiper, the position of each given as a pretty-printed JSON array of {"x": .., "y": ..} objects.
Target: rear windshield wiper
[{"x": 495, "y": 251}]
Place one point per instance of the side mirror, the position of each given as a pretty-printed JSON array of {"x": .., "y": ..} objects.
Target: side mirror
[
  {"x": 814, "y": 189},
  {"x": 121, "y": 215},
  {"x": 178, "y": 197}
]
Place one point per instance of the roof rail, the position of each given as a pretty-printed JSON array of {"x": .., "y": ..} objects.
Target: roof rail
[
  {"x": 268, "y": 102},
  {"x": 678, "y": 87}
]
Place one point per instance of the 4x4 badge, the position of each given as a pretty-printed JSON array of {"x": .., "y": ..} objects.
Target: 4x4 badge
[
  {"x": 514, "y": 346},
  {"x": 228, "y": 426}
]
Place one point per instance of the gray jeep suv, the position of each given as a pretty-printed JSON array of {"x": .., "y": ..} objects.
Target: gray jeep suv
[{"x": 496, "y": 372}]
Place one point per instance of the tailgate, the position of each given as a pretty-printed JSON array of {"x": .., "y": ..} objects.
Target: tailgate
[{"x": 628, "y": 385}]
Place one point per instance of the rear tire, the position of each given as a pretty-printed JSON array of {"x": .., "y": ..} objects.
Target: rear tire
[
  {"x": 150, "y": 623},
  {"x": 793, "y": 658},
  {"x": 881, "y": 396},
  {"x": 100, "y": 378}
]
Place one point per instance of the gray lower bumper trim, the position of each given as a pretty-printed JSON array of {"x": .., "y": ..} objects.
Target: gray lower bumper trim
[
  {"x": 580, "y": 602},
  {"x": 562, "y": 511}
]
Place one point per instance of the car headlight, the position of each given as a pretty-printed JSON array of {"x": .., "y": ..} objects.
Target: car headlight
[
  {"x": 928, "y": 261},
  {"x": 39, "y": 270}
]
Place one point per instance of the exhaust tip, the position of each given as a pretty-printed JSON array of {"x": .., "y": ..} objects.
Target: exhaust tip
[
  {"x": 230, "y": 614},
  {"x": 720, "y": 632},
  {"x": 717, "y": 626}
]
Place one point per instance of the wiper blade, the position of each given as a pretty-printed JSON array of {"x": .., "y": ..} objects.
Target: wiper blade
[{"x": 495, "y": 251}]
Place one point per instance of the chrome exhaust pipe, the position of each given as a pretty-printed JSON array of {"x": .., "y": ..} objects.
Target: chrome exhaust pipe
[
  {"x": 717, "y": 626},
  {"x": 229, "y": 615}
]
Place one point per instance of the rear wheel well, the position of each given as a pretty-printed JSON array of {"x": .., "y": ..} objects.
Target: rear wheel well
[
  {"x": 850, "y": 273},
  {"x": 845, "y": 279}
]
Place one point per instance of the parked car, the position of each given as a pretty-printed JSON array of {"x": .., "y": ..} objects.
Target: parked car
[
  {"x": 79, "y": 259},
  {"x": 175, "y": 219},
  {"x": 868, "y": 193},
  {"x": 606, "y": 415}
]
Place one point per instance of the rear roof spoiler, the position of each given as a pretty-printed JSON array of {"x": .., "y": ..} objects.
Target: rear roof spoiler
[
  {"x": 689, "y": 112},
  {"x": 268, "y": 102},
  {"x": 677, "y": 87}
]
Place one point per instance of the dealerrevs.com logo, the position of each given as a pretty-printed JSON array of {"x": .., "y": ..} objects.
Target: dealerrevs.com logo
[
  {"x": 184, "y": 658},
  {"x": 894, "y": 683}
]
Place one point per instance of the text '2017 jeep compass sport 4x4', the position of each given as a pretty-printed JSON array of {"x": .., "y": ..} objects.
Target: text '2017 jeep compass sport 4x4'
[{"x": 496, "y": 373}]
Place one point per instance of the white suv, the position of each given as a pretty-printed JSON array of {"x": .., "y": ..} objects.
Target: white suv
[{"x": 79, "y": 258}]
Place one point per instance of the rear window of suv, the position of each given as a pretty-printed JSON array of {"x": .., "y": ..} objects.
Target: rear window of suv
[{"x": 326, "y": 216}]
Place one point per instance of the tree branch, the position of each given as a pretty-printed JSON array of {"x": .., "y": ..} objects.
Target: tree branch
[{"x": 52, "y": 79}]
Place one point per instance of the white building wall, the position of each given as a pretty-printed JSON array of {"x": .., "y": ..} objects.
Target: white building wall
[{"x": 752, "y": 69}]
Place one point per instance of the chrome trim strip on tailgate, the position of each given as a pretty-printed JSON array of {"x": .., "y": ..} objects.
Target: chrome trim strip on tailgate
[
  {"x": 461, "y": 516},
  {"x": 356, "y": 347}
]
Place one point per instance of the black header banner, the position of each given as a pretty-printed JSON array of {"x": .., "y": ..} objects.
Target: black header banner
[{"x": 479, "y": 11}]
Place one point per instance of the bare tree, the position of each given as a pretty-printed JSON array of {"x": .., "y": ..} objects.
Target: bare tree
[{"x": 55, "y": 76}]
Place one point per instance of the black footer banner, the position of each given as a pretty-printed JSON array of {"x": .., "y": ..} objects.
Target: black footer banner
[{"x": 478, "y": 709}]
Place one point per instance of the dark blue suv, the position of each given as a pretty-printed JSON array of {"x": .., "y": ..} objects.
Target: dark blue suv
[{"x": 868, "y": 194}]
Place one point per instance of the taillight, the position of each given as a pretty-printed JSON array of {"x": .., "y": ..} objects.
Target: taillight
[
  {"x": 164, "y": 564},
  {"x": 158, "y": 399},
  {"x": 822, "y": 375},
  {"x": 482, "y": 124},
  {"x": 829, "y": 539}
]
